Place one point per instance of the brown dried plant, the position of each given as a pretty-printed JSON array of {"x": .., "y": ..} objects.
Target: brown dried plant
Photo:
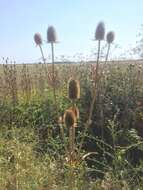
[
  {"x": 10, "y": 82},
  {"x": 73, "y": 89},
  {"x": 70, "y": 121},
  {"x": 25, "y": 83}
]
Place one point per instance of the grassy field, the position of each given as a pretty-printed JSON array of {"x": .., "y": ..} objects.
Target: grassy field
[{"x": 50, "y": 141}]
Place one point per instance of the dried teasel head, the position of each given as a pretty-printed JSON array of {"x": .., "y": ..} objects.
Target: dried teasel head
[
  {"x": 69, "y": 118},
  {"x": 51, "y": 35},
  {"x": 100, "y": 31},
  {"x": 73, "y": 89},
  {"x": 75, "y": 110},
  {"x": 110, "y": 37},
  {"x": 38, "y": 39}
]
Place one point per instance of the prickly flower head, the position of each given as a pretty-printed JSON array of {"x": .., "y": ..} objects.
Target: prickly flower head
[
  {"x": 69, "y": 118},
  {"x": 110, "y": 37},
  {"x": 51, "y": 35},
  {"x": 73, "y": 89},
  {"x": 100, "y": 31},
  {"x": 38, "y": 39}
]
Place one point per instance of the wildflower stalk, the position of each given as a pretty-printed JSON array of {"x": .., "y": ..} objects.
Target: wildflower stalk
[
  {"x": 53, "y": 71},
  {"x": 99, "y": 35},
  {"x": 109, "y": 38},
  {"x": 42, "y": 53},
  {"x": 92, "y": 103},
  {"x": 52, "y": 38},
  {"x": 97, "y": 62},
  {"x": 69, "y": 120},
  {"x": 73, "y": 136},
  {"x": 38, "y": 41},
  {"x": 107, "y": 55}
]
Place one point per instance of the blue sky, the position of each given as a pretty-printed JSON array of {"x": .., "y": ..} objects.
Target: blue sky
[{"x": 74, "y": 20}]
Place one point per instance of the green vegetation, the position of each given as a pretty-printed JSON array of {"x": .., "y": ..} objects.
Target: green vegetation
[
  {"x": 32, "y": 149},
  {"x": 71, "y": 127}
]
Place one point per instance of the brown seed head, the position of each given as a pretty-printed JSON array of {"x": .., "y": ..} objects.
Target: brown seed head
[
  {"x": 51, "y": 35},
  {"x": 73, "y": 89},
  {"x": 100, "y": 31},
  {"x": 38, "y": 39},
  {"x": 76, "y": 111},
  {"x": 69, "y": 118},
  {"x": 110, "y": 37}
]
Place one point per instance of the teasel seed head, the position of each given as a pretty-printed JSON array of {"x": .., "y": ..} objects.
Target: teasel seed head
[
  {"x": 100, "y": 31},
  {"x": 110, "y": 37},
  {"x": 38, "y": 39},
  {"x": 73, "y": 89},
  {"x": 51, "y": 35},
  {"x": 75, "y": 110},
  {"x": 69, "y": 118}
]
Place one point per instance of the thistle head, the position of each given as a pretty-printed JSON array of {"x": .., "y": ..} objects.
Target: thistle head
[
  {"x": 100, "y": 31},
  {"x": 38, "y": 39},
  {"x": 51, "y": 35},
  {"x": 73, "y": 89},
  {"x": 69, "y": 118},
  {"x": 110, "y": 37}
]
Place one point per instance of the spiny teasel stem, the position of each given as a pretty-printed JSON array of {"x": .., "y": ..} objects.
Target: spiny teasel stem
[
  {"x": 93, "y": 100},
  {"x": 44, "y": 60},
  {"x": 70, "y": 120},
  {"x": 73, "y": 134},
  {"x": 107, "y": 55},
  {"x": 97, "y": 62},
  {"x": 42, "y": 53},
  {"x": 53, "y": 72},
  {"x": 38, "y": 40},
  {"x": 72, "y": 144},
  {"x": 109, "y": 38},
  {"x": 52, "y": 38}
]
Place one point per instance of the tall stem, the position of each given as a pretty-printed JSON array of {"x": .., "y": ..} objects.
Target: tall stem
[
  {"x": 42, "y": 54},
  {"x": 53, "y": 72},
  {"x": 44, "y": 60},
  {"x": 93, "y": 99},
  {"x": 98, "y": 56},
  {"x": 107, "y": 55},
  {"x": 101, "y": 105}
]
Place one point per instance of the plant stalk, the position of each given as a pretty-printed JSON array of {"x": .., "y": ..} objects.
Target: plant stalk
[
  {"x": 107, "y": 55},
  {"x": 53, "y": 72},
  {"x": 42, "y": 54},
  {"x": 93, "y": 99},
  {"x": 44, "y": 60}
]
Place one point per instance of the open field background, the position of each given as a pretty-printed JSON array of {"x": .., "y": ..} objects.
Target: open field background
[{"x": 32, "y": 146}]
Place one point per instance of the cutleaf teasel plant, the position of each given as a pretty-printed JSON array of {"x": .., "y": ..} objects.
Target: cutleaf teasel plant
[
  {"x": 70, "y": 119},
  {"x": 73, "y": 95},
  {"x": 99, "y": 36},
  {"x": 109, "y": 38},
  {"x": 38, "y": 41}
]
